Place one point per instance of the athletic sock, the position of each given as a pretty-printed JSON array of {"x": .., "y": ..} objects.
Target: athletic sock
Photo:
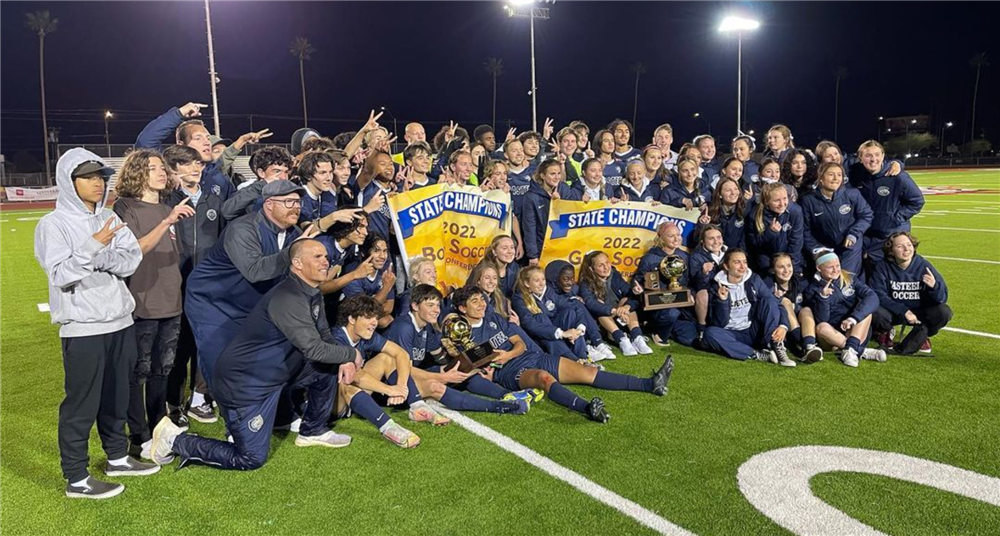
[
  {"x": 413, "y": 394},
  {"x": 81, "y": 483},
  {"x": 363, "y": 405},
  {"x": 481, "y": 386},
  {"x": 854, "y": 344},
  {"x": 635, "y": 333},
  {"x": 564, "y": 397},
  {"x": 795, "y": 334},
  {"x": 621, "y": 382},
  {"x": 618, "y": 336},
  {"x": 465, "y": 402},
  {"x": 120, "y": 461},
  {"x": 809, "y": 340}
]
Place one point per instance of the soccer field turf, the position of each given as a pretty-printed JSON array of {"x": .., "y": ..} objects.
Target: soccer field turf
[{"x": 675, "y": 458}]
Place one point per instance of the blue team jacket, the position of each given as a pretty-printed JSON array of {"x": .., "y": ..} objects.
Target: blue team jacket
[
  {"x": 856, "y": 300},
  {"x": 894, "y": 200},
  {"x": 788, "y": 240},
  {"x": 828, "y": 222},
  {"x": 539, "y": 325},
  {"x": 536, "y": 216},
  {"x": 675, "y": 194},
  {"x": 619, "y": 289},
  {"x": 626, "y": 192},
  {"x": 697, "y": 278}
]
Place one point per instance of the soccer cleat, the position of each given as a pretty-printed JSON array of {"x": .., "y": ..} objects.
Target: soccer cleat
[
  {"x": 782, "y": 354},
  {"x": 329, "y": 439},
  {"x": 925, "y": 348},
  {"x": 766, "y": 356},
  {"x": 94, "y": 489},
  {"x": 814, "y": 354},
  {"x": 131, "y": 467},
  {"x": 202, "y": 413},
  {"x": 163, "y": 441},
  {"x": 660, "y": 342},
  {"x": 424, "y": 413},
  {"x": 606, "y": 350},
  {"x": 662, "y": 376},
  {"x": 641, "y": 345},
  {"x": 849, "y": 357},
  {"x": 399, "y": 436},
  {"x": 595, "y": 355},
  {"x": 627, "y": 349},
  {"x": 513, "y": 407},
  {"x": 597, "y": 412},
  {"x": 884, "y": 339},
  {"x": 588, "y": 362},
  {"x": 873, "y": 354}
]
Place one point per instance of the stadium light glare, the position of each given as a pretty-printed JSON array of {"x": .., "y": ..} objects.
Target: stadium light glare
[
  {"x": 908, "y": 155},
  {"x": 880, "y": 118},
  {"x": 913, "y": 121},
  {"x": 949, "y": 124},
  {"x": 738, "y": 24},
  {"x": 521, "y": 2}
]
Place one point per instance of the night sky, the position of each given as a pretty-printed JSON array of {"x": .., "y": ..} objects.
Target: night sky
[{"x": 424, "y": 61}]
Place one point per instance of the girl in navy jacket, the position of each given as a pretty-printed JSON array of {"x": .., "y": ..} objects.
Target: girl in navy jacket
[
  {"x": 836, "y": 218},
  {"x": 910, "y": 292},
  {"x": 550, "y": 318},
  {"x": 612, "y": 302},
  {"x": 843, "y": 308},
  {"x": 637, "y": 186},
  {"x": 502, "y": 252},
  {"x": 561, "y": 277},
  {"x": 789, "y": 290},
  {"x": 776, "y": 227},
  {"x": 894, "y": 200},
  {"x": 728, "y": 211},
  {"x": 674, "y": 323},
  {"x": 743, "y": 149},
  {"x": 745, "y": 319},
  {"x": 548, "y": 184},
  {"x": 705, "y": 262},
  {"x": 592, "y": 186},
  {"x": 688, "y": 191}
]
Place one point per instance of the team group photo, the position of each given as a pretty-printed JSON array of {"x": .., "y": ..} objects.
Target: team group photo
[{"x": 476, "y": 267}]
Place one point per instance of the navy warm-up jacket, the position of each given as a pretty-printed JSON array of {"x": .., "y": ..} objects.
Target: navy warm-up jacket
[
  {"x": 828, "y": 222},
  {"x": 894, "y": 200}
]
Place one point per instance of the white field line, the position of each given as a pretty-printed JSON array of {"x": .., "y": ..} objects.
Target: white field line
[
  {"x": 43, "y": 307},
  {"x": 959, "y": 259},
  {"x": 959, "y": 229},
  {"x": 970, "y": 332},
  {"x": 629, "y": 508}
]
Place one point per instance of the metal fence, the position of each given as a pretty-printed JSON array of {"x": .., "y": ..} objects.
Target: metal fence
[{"x": 960, "y": 162}]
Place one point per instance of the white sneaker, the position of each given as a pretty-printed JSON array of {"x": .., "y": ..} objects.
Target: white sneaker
[
  {"x": 627, "y": 349},
  {"x": 329, "y": 439},
  {"x": 873, "y": 354},
  {"x": 606, "y": 350},
  {"x": 641, "y": 345},
  {"x": 162, "y": 444},
  {"x": 782, "y": 353},
  {"x": 849, "y": 357},
  {"x": 766, "y": 356},
  {"x": 593, "y": 354}
]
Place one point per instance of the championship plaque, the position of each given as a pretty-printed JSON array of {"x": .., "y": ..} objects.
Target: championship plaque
[
  {"x": 456, "y": 337},
  {"x": 656, "y": 297}
]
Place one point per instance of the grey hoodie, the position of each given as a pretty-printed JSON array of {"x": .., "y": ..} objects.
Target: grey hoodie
[{"x": 87, "y": 292}]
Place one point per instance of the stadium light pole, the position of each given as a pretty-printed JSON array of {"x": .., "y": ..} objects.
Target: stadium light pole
[
  {"x": 107, "y": 137},
  {"x": 739, "y": 25},
  {"x": 526, "y": 8},
  {"x": 211, "y": 69},
  {"x": 906, "y": 134},
  {"x": 949, "y": 124}
]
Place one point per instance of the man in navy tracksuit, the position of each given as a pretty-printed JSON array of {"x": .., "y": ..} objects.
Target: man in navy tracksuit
[
  {"x": 181, "y": 123},
  {"x": 911, "y": 292},
  {"x": 836, "y": 221},
  {"x": 249, "y": 260},
  {"x": 285, "y": 342},
  {"x": 894, "y": 200}
]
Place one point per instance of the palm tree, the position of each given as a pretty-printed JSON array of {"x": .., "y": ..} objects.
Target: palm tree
[
  {"x": 302, "y": 49},
  {"x": 978, "y": 61},
  {"x": 43, "y": 24},
  {"x": 841, "y": 75},
  {"x": 639, "y": 69},
  {"x": 494, "y": 66}
]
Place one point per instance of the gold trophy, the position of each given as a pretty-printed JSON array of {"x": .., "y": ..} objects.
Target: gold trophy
[
  {"x": 655, "y": 297},
  {"x": 456, "y": 337}
]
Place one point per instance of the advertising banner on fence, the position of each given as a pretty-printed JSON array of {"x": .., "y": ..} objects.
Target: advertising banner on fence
[
  {"x": 623, "y": 230},
  {"x": 16, "y": 193},
  {"x": 452, "y": 224}
]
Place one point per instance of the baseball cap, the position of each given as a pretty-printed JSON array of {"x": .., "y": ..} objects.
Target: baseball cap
[
  {"x": 91, "y": 168},
  {"x": 281, "y": 187},
  {"x": 300, "y": 136},
  {"x": 215, "y": 140}
]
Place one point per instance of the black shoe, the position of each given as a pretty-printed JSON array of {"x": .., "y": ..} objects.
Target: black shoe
[
  {"x": 202, "y": 413},
  {"x": 662, "y": 376},
  {"x": 132, "y": 467},
  {"x": 94, "y": 489},
  {"x": 179, "y": 418},
  {"x": 597, "y": 412}
]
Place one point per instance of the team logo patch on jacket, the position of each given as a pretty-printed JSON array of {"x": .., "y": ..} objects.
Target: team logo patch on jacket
[
  {"x": 493, "y": 325},
  {"x": 739, "y": 223},
  {"x": 256, "y": 424},
  {"x": 211, "y": 214},
  {"x": 315, "y": 312},
  {"x": 845, "y": 209},
  {"x": 217, "y": 189},
  {"x": 786, "y": 227},
  {"x": 549, "y": 305},
  {"x": 848, "y": 291},
  {"x": 883, "y": 191}
]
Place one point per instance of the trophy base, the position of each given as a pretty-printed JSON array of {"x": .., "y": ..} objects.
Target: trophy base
[
  {"x": 667, "y": 299},
  {"x": 475, "y": 358}
]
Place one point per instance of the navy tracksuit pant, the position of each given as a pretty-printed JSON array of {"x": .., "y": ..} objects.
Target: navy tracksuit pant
[
  {"x": 675, "y": 323},
  {"x": 741, "y": 344}
]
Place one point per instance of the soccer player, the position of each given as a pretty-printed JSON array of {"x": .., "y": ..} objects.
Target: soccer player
[
  {"x": 779, "y": 142},
  {"x": 502, "y": 251},
  {"x": 687, "y": 191},
  {"x": 381, "y": 284},
  {"x": 673, "y": 323},
  {"x": 622, "y": 132},
  {"x": 705, "y": 262},
  {"x": 614, "y": 170},
  {"x": 835, "y": 217},
  {"x": 776, "y": 227},
  {"x": 592, "y": 184},
  {"x": 417, "y": 157},
  {"x": 638, "y": 186},
  {"x": 743, "y": 148},
  {"x": 789, "y": 289},
  {"x": 798, "y": 170},
  {"x": 548, "y": 184},
  {"x": 612, "y": 302},
  {"x": 663, "y": 137},
  {"x": 728, "y": 210},
  {"x": 270, "y": 163},
  {"x": 709, "y": 157}
]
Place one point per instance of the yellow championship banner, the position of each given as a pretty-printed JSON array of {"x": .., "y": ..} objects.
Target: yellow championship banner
[
  {"x": 451, "y": 224},
  {"x": 625, "y": 231}
]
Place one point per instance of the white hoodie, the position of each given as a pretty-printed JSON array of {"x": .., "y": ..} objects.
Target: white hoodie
[
  {"x": 87, "y": 292},
  {"x": 739, "y": 304}
]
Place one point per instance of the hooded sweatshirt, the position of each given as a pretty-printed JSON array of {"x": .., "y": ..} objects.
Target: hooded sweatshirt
[{"x": 87, "y": 291}]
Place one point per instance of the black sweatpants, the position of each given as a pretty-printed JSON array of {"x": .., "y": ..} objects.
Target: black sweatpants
[
  {"x": 932, "y": 319},
  {"x": 97, "y": 389}
]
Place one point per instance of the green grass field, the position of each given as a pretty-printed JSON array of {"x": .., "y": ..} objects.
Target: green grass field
[{"x": 676, "y": 456}]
